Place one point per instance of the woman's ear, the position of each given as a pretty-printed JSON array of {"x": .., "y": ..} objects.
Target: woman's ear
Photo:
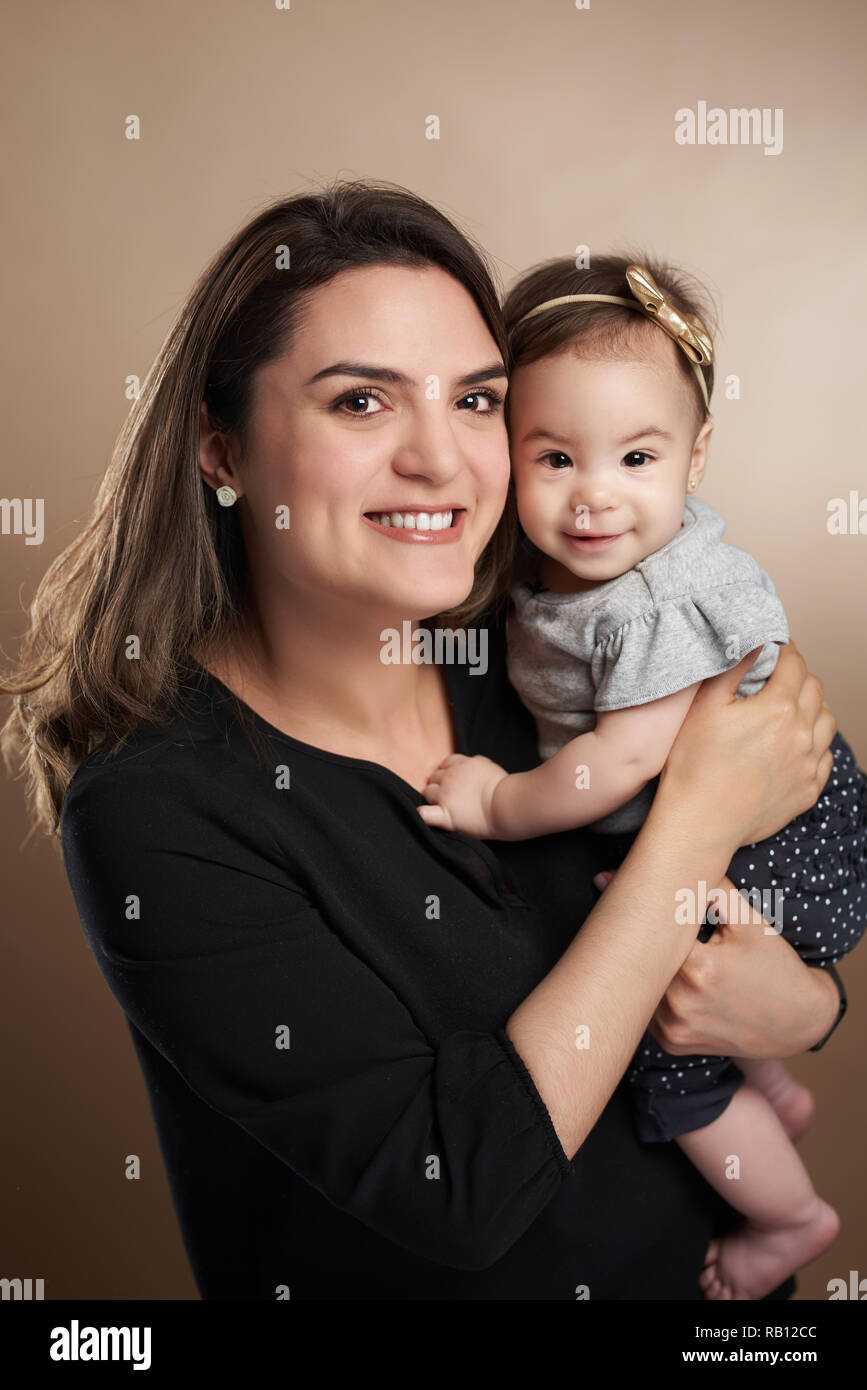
[
  {"x": 700, "y": 451},
  {"x": 216, "y": 455}
]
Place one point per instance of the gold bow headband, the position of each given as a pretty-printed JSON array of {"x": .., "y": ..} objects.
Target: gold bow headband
[{"x": 687, "y": 330}]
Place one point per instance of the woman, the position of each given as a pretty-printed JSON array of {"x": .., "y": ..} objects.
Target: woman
[{"x": 358, "y": 1039}]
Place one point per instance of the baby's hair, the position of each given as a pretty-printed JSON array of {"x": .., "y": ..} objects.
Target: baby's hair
[{"x": 605, "y": 329}]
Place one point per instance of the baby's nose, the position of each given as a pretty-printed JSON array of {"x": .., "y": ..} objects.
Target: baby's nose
[{"x": 583, "y": 511}]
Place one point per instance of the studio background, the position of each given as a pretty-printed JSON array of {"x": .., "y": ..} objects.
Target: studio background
[{"x": 556, "y": 130}]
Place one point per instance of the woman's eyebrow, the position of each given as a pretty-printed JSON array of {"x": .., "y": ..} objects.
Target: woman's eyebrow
[{"x": 394, "y": 378}]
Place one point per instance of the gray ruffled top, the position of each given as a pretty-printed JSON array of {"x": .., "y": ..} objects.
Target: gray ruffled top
[{"x": 690, "y": 610}]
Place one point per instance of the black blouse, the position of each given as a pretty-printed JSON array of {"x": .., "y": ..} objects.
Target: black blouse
[{"x": 316, "y": 984}]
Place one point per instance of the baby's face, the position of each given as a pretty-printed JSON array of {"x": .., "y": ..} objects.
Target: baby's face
[{"x": 602, "y": 453}]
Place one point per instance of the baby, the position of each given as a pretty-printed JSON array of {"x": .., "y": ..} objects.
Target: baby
[{"x": 625, "y": 599}]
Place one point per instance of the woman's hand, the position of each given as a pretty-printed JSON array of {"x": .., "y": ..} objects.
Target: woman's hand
[
  {"x": 744, "y": 993},
  {"x": 741, "y": 769}
]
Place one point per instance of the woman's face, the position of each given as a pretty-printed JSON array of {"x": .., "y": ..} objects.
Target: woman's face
[{"x": 387, "y": 408}]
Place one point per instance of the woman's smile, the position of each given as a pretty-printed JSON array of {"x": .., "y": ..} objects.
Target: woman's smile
[{"x": 414, "y": 526}]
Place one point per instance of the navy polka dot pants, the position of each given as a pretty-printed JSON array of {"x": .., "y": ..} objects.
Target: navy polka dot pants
[{"x": 812, "y": 877}]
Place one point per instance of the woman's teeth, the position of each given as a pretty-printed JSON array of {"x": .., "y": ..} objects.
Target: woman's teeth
[{"x": 422, "y": 521}]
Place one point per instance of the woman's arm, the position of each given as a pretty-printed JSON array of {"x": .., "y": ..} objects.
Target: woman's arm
[
  {"x": 745, "y": 993},
  {"x": 751, "y": 995},
  {"x": 738, "y": 771}
]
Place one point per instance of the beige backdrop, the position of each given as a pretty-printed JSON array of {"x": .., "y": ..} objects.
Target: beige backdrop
[{"x": 557, "y": 128}]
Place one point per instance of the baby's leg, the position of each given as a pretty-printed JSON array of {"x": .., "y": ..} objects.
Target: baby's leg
[
  {"x": 787, "y": 1224},
  {"x": 793, "y": 1102}
]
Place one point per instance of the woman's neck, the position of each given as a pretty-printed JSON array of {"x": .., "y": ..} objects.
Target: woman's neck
[{"x": 325, "y": 682}]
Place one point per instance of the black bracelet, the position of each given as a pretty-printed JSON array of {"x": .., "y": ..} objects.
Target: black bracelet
[{"x": 842, "y": 993}]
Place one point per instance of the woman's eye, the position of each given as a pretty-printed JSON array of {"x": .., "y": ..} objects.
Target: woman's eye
[
  {"x": 353, "y": 397},
  {"x": 492, "y": 402},
  {"x": 639, "y": 455},
  {"x": 480, "y": 402},
  {"x": 557, "y": 460}
]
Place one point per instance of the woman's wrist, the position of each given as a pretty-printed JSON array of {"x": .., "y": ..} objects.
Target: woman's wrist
[
  {"x": 677, "y": 820},
  {"x": 827, "y": 1005}
]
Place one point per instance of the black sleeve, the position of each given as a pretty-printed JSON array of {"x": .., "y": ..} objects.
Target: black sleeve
[{"x": 233, "y": 975}]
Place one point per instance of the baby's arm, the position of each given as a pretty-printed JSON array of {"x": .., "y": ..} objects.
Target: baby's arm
[{"x": 626, "y": 749}]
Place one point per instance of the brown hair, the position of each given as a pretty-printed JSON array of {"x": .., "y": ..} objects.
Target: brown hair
[
  {"x": 158, "y": 555},
  {"x": 608, "y": 329}
]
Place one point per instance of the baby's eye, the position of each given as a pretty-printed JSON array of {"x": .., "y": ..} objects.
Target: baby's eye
[
  {"x": 639, "y": 455},
  {"x": 557, "y": 460}
]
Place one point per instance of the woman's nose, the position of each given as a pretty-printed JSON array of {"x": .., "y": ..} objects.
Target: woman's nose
[{"x": 429, "y": 447}]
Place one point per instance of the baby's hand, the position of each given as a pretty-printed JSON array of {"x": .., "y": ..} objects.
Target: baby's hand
[{"x": 462, "y": 791}]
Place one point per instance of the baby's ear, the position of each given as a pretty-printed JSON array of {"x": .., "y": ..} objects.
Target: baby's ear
[
  {"x": 702, "y": 440},
  {"x": 700, "y": 451}
]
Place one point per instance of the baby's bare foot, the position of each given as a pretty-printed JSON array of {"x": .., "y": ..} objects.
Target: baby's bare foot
[{"x": 753, "y": 1259}]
